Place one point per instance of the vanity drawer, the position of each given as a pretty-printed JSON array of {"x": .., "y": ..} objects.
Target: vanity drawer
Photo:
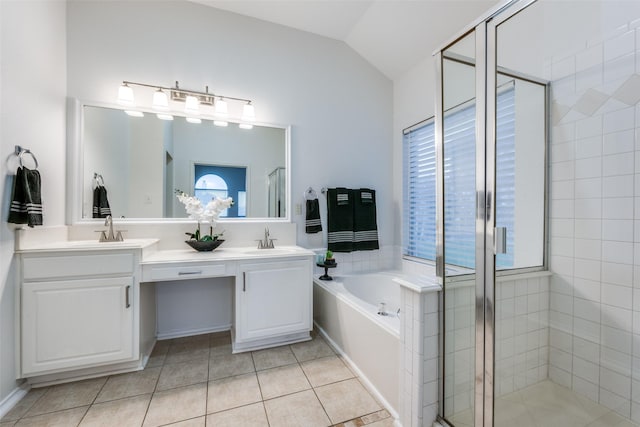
[
  {"x": 46, "y": 267},
  {"x": 152, "y": 273}
]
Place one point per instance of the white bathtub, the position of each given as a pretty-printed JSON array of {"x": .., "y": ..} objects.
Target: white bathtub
[{"x": 345, "y": 311}]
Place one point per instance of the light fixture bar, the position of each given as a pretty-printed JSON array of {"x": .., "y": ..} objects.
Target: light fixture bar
[{"x": 179, "y": 94}]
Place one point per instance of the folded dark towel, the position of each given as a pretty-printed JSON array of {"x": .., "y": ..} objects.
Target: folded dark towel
[
  {"x": 313, "y": 224},
  {"x": 365, "y": 225},
  {"x": 26, "y": 202},
  {"x": 101, "y": 208},
  {"x": 339, "y": 220}
]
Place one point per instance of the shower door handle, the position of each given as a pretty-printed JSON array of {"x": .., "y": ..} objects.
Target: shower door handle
[{"x": 500, "y": 240}]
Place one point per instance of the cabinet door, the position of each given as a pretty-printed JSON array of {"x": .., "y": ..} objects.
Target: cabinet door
[
  {"x": 273, "y": 299},
  {"x": 76, "y": 323}
]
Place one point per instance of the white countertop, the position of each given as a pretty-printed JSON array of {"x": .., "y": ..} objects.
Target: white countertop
[
  {"x": 224, "y": 254},
  {"x": 88, "y": 245}
]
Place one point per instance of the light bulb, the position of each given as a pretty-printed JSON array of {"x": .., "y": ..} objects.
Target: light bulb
[
  {"x": 221, "y": 107},
  {"x": 220, "y": 123},
  {"x": 134, "y": 113},
  {"x": 245, "y": 126},
  {"x": 192, "y": 105},
  {"x": 248, "y": 113},
  {"x": 160, "y": 100},
  {"x": 194, "y": 120},
  {"x": 125, "y": 95},
  {"x": 164, "y": 116}
]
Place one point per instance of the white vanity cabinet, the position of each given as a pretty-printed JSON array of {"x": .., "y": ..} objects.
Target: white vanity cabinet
[
  {"x": 77, "y": 310},
  {"x": 273, "y": 303}
]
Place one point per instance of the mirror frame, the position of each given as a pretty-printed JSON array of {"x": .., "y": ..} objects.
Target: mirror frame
[{"x": 75, "y": 167}]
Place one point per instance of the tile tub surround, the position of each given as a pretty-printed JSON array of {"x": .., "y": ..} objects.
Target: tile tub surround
[
  {"x": 194, "y": 381},
  {"x": 594, "y": 171}
]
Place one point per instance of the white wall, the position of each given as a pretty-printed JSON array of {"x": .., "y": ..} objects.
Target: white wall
[
  {"x": 32, "y": 107},
  {"x": 339, "y": 106}
]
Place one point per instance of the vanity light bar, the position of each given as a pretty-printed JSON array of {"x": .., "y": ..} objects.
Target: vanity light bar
[{"x": 178, "y": 94}]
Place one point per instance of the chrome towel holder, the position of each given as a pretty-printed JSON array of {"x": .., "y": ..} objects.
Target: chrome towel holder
[{"x": 20, "y": 151}]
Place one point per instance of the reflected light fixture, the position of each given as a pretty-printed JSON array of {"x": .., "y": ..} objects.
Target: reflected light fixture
[
  {"x": 193, "y": 100},
  {"x": 125, "y": 95},
  {"x": 160, "y": 100},
  {"x": 245, "y": 126}
]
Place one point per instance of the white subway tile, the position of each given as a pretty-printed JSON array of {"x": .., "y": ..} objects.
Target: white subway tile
[
  {"x": 563, "y": 283},
  {"x": 587, "y": 350},
  {"x": 588, "y": 249},
  {"x": 588, "y": 79},
  {"x": 617, "y": 339},
  {"x": 562, "y": 190},
  {"x": 588, "y": 228},
  {"x": 616, "y": 361},
  {"x": 562, "y": 152},
  {"x": 585, "y": 388},
  {"x": 586, "y": 370},
  {"x": 587, "y": 289},
  {"x": 619, "y": 69},
  {"x": 636, "y": 254},
  {"x": 563, "y": 133},
  {"x": 588, "y": 208},
  {"x": 617, "y": 252},
  {"x": 619, "y": 46},
  {"x": 617, "y": 296},
  {"x": 560, "y": 303},
  {"x": 615, "y": 383},
  {"x": 619, "y": 142},
  {"x": 586, "y": 329},
  {"x": 563, "y": 68},
  {"x": 560, "y": 377},
  {"x": 618, "y": 164},
  {"x": 617, "y": 186},
  {"x": 586, "y": 309},
  {"x": 617, "y": 121},
  {"x": 560, "y": 227},
  {"x": 590, "y": 57},
  {"x": 616, "y": 317},
  {"x": 617, "y": 229},
  {"x": 588, "y": 168},
  {"x": 560, "y": 340},
  {"x": 561, "y": 265},
  {"x": 587, "y": 188},
  {"x": 619, "y": 274},
  {"x": 561, "y": 321},
  {"x": 586, "y": 269},
  {"x": 615, "y": 402},
  {"x": 589, "y": 127},
  {"x": 618, "y": 208},
  {"x": 562, "y": 171},
  {"x": 588, "y": 147},
  {"x": 560, "y": 359}
]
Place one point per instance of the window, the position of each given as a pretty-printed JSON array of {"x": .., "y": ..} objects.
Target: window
[
  {"x": 216, "y": 181},
  {"x": 209, "y": 187},
  {"x": 419, "y": 184}
]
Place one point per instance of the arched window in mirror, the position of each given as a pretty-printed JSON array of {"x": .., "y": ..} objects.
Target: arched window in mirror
[{"x": 213, "y": 181}]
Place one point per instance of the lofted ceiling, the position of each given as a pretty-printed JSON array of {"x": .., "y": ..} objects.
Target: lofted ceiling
[{"x": 393, "y": 35}]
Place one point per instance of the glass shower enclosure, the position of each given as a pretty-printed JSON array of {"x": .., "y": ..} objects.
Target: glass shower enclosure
[{"x": 538, "y": 183}]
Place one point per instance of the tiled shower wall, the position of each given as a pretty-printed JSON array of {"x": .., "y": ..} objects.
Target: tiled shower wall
[
  {"x": 595, "y": 221},
  {"x": 522, "y": 337}
]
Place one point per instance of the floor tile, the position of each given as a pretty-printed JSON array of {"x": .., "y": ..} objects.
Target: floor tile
[
  {"x": 376, "y": 416},
  {"x": 220, "y": 350},
  {"x": 177, "y": 404},
  {"x": 246, "y": 416},
  {"x": 190, "y": 340},
  {"x": 233, "y": 392},
  {"x": 23, "y": 406},
  {"x": 121, "y": 413},
  {"x": 185, "y": 351},
  {"x": 230, "y": 365},
  {"x": 388, "y": 422},
  {"x": 273, "y": 357},
  {"x": 66, "y": 418},
  {"x": 346, "y": 400},
  {"x": 219, "y": 339},
  {"x": 277, "y": 382},
  {"x": 193, "y": 422},
  {"x": 128, "y": 385},
  {"x": 183, "y": 374},
  {"x": 7, "y": 423},
  {"x": 294, "y": 410},
  {"x": 66, "y": 396},
  {"x": 310, "y": 350},
  {"x": 326, "y": 371}
]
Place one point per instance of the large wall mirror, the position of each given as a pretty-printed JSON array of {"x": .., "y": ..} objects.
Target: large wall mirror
[{"x": 142, "y": 161}]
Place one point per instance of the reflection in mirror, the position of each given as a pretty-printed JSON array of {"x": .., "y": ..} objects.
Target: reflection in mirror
[{"x": 143, "y": 161}]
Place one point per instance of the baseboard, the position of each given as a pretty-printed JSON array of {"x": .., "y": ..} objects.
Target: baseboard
[
  {"x": 13, "y": 398},
  {"x": 191, "y": 332},
  {"x": 368, "y": 384}
]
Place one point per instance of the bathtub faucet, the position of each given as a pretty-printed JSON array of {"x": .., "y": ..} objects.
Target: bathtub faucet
[{"x": 382, "y": 309}]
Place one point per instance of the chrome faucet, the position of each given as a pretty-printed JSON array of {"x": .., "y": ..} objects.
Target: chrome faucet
[
  {"x": 107, "y": 235},
  {"x": 267, "y": 242}
]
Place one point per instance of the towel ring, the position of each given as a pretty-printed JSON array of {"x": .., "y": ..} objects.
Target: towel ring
[
  {"x": 20, "y": 151},
  {"x": 310, "y": 194},
  {"x": 98, "y": 179}
]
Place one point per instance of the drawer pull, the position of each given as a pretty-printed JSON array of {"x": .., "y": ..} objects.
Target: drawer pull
[
  {"x": 186, "y": 273},
  {"x": 244, "y": 281},
  {"x": 128, "y": 302}
]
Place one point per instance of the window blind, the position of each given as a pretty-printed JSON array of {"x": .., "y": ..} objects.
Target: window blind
[{"x": 419, "y": 184}]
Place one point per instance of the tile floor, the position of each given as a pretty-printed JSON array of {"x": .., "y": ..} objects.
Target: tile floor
[
  {"x": 196, "y": 381},
  {"x": 550, "y": 405}
]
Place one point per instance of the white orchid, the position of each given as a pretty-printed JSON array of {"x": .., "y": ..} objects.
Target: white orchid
[{"x": 209, "y": 213}]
